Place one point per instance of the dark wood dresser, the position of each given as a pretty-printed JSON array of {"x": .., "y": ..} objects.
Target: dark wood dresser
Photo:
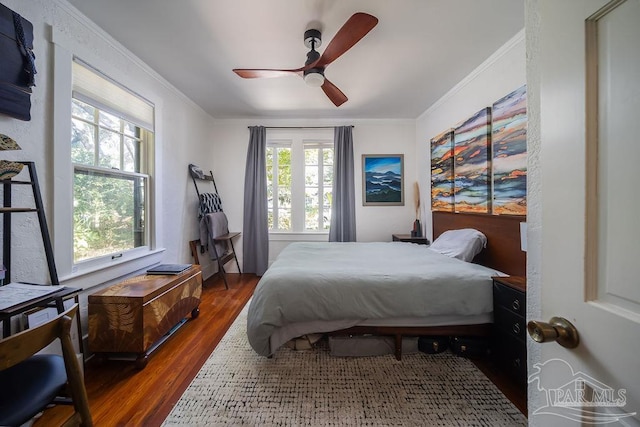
[{"x": 509, "y": 345}]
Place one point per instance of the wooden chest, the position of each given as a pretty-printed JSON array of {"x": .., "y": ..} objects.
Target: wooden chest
[{"x": 139, "y": 313}]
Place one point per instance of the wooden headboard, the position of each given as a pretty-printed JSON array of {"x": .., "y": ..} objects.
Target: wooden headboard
[{"x": 503, "y": 251}]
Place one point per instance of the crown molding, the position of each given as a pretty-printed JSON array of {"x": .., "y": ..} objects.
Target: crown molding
[{"x": 497, "y": 55}]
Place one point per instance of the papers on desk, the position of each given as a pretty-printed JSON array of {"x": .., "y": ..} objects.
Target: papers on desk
[{"x": 17, "y": 293}]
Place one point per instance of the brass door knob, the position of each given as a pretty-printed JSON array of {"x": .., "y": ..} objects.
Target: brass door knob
[{"x": 558, "y": 329}]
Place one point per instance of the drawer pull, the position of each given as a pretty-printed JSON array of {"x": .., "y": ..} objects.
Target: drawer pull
[
  {"x": 516, "y": 328},
  {"x": 515, "y": 305},
  {"x": 516, "y": 362}
]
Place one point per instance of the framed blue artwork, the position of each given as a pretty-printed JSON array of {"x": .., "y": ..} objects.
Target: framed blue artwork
[{"x": 383, "y": 179}]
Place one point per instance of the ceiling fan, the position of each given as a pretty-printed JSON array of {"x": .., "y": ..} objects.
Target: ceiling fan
[{"x": 351, "y": 32}]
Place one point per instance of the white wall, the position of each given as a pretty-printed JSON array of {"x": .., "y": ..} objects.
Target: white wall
[
  {"x": 182, "y": 136},
  {"x": 374, "y": 223},
  {"x": 534, "y": 182},
  {"x": 500, "y": 74}
]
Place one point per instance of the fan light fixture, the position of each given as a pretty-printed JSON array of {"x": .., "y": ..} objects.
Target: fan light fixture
[
  {"x": 348, "y": 35},
  {"x": 314, "y": 79}
]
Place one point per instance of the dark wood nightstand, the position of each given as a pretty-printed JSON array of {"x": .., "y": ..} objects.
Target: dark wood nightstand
[
  {"x": 509, "y": 345},
  {"x": 408, "y": 238}
]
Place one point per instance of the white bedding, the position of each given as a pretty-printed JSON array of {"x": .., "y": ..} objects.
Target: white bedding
[{"x": 337, "y": 285}]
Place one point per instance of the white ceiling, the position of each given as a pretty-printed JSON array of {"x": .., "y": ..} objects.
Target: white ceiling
[{"x": 418, "y": 51}]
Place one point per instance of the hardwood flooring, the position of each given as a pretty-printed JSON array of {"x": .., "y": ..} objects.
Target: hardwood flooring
[
  {"x": 120, "y": 395},
  {"x": 516, "y": 393}
]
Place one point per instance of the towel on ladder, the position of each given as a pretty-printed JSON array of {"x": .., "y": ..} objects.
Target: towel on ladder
[{"x": 213, "y": 225}]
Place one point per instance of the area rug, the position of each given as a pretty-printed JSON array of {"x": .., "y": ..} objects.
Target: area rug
[{"x": 311, "y": 388}]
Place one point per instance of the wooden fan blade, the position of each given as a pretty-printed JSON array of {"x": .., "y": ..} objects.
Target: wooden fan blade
[
  {"x": 254, "y": 73},
  {"x": 351, "y": 32},
  {"x": 335, "y": 95}
]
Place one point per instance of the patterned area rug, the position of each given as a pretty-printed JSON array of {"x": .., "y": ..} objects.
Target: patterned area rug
[{"x": 311, "y": 388}]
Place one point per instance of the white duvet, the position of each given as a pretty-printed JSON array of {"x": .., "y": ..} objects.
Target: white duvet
[{"x": 357, "y": 281}]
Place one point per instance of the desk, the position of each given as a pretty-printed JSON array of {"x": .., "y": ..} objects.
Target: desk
[{"x": 56, "y": 298}]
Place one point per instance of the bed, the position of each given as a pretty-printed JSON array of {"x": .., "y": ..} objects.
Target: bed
[{"x": 383, "y": 288}]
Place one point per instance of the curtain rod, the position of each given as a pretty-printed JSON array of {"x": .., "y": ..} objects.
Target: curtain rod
[{"x": 299, "y": 127}]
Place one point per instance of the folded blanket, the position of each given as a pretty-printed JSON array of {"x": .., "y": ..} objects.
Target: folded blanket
[{"x": 213, "y": 225}]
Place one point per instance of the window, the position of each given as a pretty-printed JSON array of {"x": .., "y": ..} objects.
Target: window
[
  {"x": 109, "y": 152},
  {"x": 318, "y": 184},
  {"x": 299, "y": 165},
  {"x": 278, "y": 161}
]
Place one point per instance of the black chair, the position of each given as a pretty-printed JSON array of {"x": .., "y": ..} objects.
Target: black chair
[{"x": 31, "y": 382}]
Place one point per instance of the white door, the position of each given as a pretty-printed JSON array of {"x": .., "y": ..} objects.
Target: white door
[{"x": 584, "y": 209}]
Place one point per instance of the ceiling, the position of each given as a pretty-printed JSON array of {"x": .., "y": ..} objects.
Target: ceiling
[{"x": 418, "y": 51}]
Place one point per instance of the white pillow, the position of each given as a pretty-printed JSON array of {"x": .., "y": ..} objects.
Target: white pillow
[{"x": 463, "y": 244}]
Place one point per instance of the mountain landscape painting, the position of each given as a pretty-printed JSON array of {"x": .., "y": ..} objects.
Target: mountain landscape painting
[{"x": 382, "y": 177}]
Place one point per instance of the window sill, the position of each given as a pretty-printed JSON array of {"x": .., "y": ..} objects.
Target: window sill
[
  {"x": 291, "y": 237},
  {"x": 96, "y": 276}
]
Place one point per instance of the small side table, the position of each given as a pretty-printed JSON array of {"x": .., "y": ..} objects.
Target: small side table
[{"x": 409, "y": 239}]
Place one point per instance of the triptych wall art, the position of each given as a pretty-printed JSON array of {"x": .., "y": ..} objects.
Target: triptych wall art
[
  {"x": 442, "y": 172},
  {"x": 509, "y": 142},
  {"x": 481, "y": 165},
  {"x": 471, "y": 164}
]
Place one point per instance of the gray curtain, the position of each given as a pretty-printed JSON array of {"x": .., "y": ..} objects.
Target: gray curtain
[
  {"x": 343, "y": 211},
  {"x": 255, "y": 234}
]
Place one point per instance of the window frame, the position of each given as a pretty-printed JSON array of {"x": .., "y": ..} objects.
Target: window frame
[
  {"x": 321, "y": 146},
  {"x": 108, "y": 269},
  {"x": 298, "y": 139},
  {"x": 142, "y": 138},
  {"x": 276, "y": 145},
  {"x": 132, "y": 176},
  {"x": 95, "y": 123}
]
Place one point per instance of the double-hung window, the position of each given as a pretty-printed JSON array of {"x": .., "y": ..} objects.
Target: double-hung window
[
  {"x": 111, "y": 138},
  {"x": 299, "y": 165}
]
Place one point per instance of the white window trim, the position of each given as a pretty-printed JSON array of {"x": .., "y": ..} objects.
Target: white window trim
[
  {"x": 309, "y": 236},
  {"x": 299, "y": 138},
  {"x": 132, "y": 261}
]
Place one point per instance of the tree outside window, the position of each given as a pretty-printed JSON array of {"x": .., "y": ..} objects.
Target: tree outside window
[{"x": 109, "y": 188}]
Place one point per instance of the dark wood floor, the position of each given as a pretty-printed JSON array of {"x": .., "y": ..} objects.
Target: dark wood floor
[
  {"x": 516, "y": 393},
  {"x": 120, "y": 395}
]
